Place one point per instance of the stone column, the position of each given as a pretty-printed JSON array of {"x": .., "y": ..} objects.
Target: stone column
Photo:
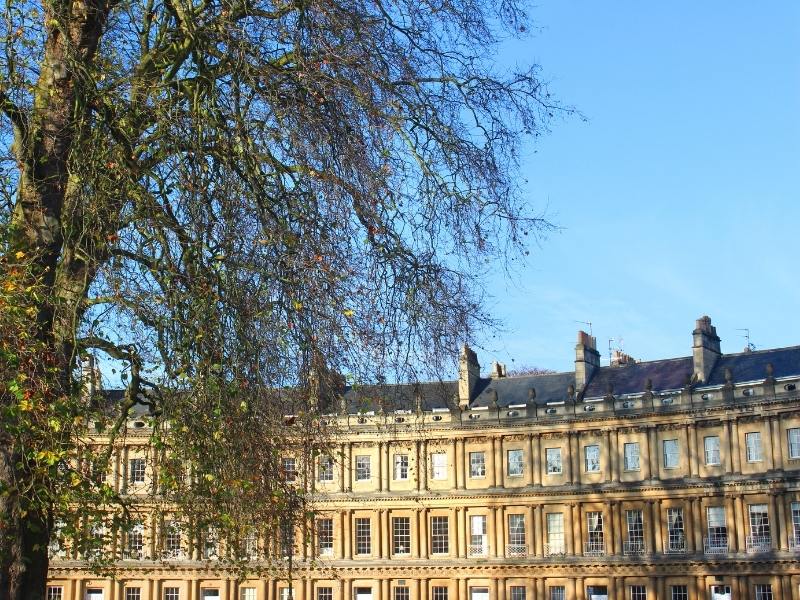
[
  {"x": 530, "y": 531},
  {"x": 423, "y": 539},
  {"x": 566, "y": 461},
  {"x": 777, "y": 439},
  {"x": 423, "y": 466},
  {"x": 659, "y": 530},
  {"x": 499, "y": 462},
  {"x": 786, "y": 527},
  {"x": 461, "y": 551},
  {"x": 533, "y": 476},
  {"x": 540, "y": 533},
  {"x": 610, "y": 530},
  {"x": 418, "y": 462},
  {"x": 491, "y": 531},
  {"x": 651, "y": 528},
  {"x": 580, "y": 590},
  {"x": 617, "y": 456},
  {"x": 741, "y": 522},
  {"x": 698, "y": 524},
  {"x": 655, "y": 452},
  {"x": 691, "y": 444},
  {"x": 454, "y": 454},
  {"x": 348, "y": 535},
  {"x": 689, "y": 526},
  {"x": 500, "y": 536},
  {"x": 461, "y": 460},
  {"x": 465, "y": 529},
  {"x": 491, "y": 465},
  {"x": 732, "y": 524},
  {"x": 737, "y": 447},
  {"x": 462, "y": 589},
  {"x": 608, "y": 466},
  {"x": 644, "y": 459},
  {"x": 577, "y": 529},
  {"x": 775, "y": 525},
  {"x": 382, "y": 469},
  {"x": 383, "y": 534},
  {"x": 770, "y": 443},
  {"x": 348, "y": 468}
]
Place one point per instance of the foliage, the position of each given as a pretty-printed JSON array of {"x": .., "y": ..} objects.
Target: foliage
[{"x": 223, "y": 198}]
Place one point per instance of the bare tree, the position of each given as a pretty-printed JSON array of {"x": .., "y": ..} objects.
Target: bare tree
[{"x": 224, "y": 196}]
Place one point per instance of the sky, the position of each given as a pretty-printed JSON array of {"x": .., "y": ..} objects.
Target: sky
[{"x": 678, "y": 195}]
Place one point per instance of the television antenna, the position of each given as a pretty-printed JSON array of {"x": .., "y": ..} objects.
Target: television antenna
[
  {"x": 589, "y": 323},
  {"x": 750, "y": 345}
]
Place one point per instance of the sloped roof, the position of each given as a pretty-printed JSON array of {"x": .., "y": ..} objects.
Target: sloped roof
[
  {"x": 433, "y": 394},
  {"x": 752, "y": 366},
  {"x": 550, "y": 387},
  {"x": 669, "y": 374}
]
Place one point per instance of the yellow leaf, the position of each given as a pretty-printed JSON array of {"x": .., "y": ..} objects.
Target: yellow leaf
[
  {"x": 348, "y": 312},
  {"x": 20, "y": 254}
]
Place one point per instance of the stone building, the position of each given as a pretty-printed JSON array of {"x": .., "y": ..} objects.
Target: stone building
[{"x": 675, "y": 479}]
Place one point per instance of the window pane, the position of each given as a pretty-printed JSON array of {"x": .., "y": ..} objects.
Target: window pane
[
  {"x": 439, "y": 535},
  {"x": 794, "y": 442},
  {"x": 400, "y": 467},
  {"x": 363, "y": 536},
  {"x": 632, "y": 456},
  {"x": 401, "y": 535},
  {"x": 363, "y": 471},
  {"x": 753, "y": 443},
  {"x": 670, "y": 454},
  {"x": 439, "y": 466},
  {"x": 591, "y": 456},
  {"x": 515, "y": 465},
  {"x": 711, "y": 444},
  {"x": 553, "y": 456},
  {"x": 477, "y": 464}
]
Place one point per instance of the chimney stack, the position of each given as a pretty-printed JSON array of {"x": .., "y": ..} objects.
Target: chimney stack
[
  {"x": 587, "y": 359},
  {"x": 469, "y": 371},
  {"x": 705, "y": 348},
  {"x": 90, "y": 376},
  {"x": 498, "y": 370}
]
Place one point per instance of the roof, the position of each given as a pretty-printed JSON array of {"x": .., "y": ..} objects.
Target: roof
[
  {"x": 388, "y": 397},
  {"x": 669, "y": 374},
  {"x": 752, "y": 366},
  {"x": 550, "y": 387}
]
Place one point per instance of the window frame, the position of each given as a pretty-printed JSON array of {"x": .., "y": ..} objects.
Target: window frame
[
  {"x": 708, "y": 453},
  {"x": 754, "y": 452},
  {"x": 793, "y": 447},
  {"x": 363, "y": 469},
  {"x": 672, "y": 460},
  {"x": 439, "y": 471},
  {"x": 401, "y": 531},
  {"x": 477, "y": 464},
  {"x": 518, "y": 463},
  {"x": 627, "y": 457},
  {"x": 440, "y": 534},
  {"x": 558, "y": 468},
  {"x": 401, "y": 467},
  {"x": 324, "y": 526},
  {"x": 325, "y": 471},
  {"x": 591, "y": 464}
]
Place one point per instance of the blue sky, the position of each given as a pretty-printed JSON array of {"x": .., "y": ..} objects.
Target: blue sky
[{"x": 678, "y": 196}]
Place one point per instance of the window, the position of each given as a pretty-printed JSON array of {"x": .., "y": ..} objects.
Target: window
[
  {"x": 478, "y": 593},
  {"x": 439, "y": 466},
  {"x": 478, "y": 537},
  {"x": 363, "y": 536},
  {"x": 439, "y": 593},
  {"x": 555, "y": 533},
  {"x": 325, "y": 468},
  {"x": 400, "y": 467},
  {"x": 136, "y": 468},
  {"x": 594, "y": 542},
  {"x": 752, "y": 441},
  {"x": 632, "y": 456},
  {"x": 210, "y": 544},
  {"x": 133, "y": 593},
  {"x": 638, "y": 592},
  {"x": 172, "y": 540},
  {"x": 763, "y": 591},
  {"x": 676, "y": 538},
  {"x": 401, "y": 593},
  {"x": 325, "y": 536},
  {"x": 363, "y": 472},
  {"x": 284, "y": 594},
  {"x": 759, "y": 522},
  {"x": 680, "y": 592},
  {"x": 517, "y": 592},
  {"x": 591, "y": 458},
  {"x": 711, "y": 445},
  {"x": 440, "y": 543},
  {"x": 670, "y": 454},
  {"x": 514, "y": 462},
  {"x": 477, "y": 464},
  {"x": 173, "y": 593},
  {"x": 717, "y": 529},
  {"x": 516, "y": 535},
  {"x": 794, "y": 442},
  {"x": 553, "y": 458},
  {"x": 401, "y": 535},
  {"x": 635, "y": 543},
  {"x": 247, "y": 593},
  {"x": 55, "y": 592},
  {"x": 289, "y": 466},
  {"x": 324, "y": 593},
  {"x": 557, "y": 592},
  {"x": 795, "y": 543},
  {"x": 135, "y": 542}
]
